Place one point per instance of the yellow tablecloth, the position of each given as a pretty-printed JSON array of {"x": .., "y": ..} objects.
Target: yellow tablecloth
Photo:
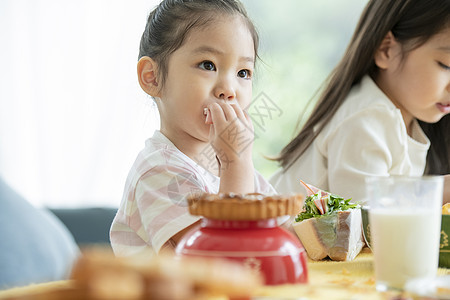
[
  {"x": 336, "y": 280},
  {"x": 327, "y": 280},
  {"x": 333, "y": 280}
]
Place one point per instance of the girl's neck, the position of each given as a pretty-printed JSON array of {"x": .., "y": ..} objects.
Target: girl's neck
[
  {"x": 408, "y": 120},
  {"x": 199, "y": 151},
  {"x": 407, "y": 117}
]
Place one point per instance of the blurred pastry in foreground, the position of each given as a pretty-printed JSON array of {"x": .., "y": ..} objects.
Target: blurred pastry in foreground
[{"x": 104, "y": 276}]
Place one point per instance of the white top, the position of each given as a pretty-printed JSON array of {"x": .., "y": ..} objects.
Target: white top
[
  {"x": 154, "y": 206},
  {"x": 366, "y": 136}
]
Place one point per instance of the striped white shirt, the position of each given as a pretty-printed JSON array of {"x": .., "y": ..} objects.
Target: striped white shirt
[{"x": 154, "y": 207}]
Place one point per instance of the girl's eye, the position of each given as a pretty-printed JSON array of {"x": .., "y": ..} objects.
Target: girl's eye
[
  {"x": 207, "y": 65},
  {"x": 444, "y": 66},
  {"x": 244, "y": 74}
]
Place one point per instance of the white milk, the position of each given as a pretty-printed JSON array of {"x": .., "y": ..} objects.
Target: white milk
[{"x": 405, "y": 243}]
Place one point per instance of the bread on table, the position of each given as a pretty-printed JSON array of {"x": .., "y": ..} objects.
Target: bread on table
[
  {"x": 104, "y": 276},
  {"x": 99, "y": 275}
]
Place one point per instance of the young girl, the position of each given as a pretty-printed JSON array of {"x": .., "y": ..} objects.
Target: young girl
[
  {"x": 396, "y": 70},
  {"x": 197, "y": 61}
]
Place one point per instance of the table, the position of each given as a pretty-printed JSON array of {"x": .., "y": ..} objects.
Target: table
[
  {"x": 327, "y": 280},
  {"x": 333, "y": 280},
  {"x": 337, "y": 280}
]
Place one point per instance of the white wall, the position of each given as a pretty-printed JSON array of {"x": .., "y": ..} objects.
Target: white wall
[{"x": 72, "y": 115}]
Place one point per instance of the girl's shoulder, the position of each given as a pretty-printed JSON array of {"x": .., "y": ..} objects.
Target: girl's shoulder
[
  {"x": 159, "y": 151},
  {"x": 160, "y": 160},
  {"x": 366, "y": 95},
  {"x": 365, "y": 108}
]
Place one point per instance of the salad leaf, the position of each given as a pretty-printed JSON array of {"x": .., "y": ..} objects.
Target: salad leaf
[{"x": 334, "y": 204}]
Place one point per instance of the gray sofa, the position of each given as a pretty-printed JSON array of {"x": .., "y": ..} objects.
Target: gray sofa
[
  {"x": 40, "y": 245},
  {"x": 87, "y": 225}
]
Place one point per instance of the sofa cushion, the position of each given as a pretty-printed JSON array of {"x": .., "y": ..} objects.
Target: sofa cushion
[
  {"x": 35, "y": 246},
  {"x": 88, "y": 225}
]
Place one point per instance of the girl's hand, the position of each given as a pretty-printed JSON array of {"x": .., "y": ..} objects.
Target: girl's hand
[
  {"x": 231, "y": 133},
  {"x": 231, "y": 136}
]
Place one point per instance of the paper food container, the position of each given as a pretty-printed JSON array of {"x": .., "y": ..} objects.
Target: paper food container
[{"x": 338, "y": 236}]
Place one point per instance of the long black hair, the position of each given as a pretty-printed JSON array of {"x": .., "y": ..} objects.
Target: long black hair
[
  {"x": 412, "y": 22},
  {"x": 438, "y": 158}
]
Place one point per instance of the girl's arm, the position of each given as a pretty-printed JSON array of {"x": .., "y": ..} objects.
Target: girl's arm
[
  {"x": 231, "y": 136},
  {"x": 171, "y": 244},
  {"x": 158, "y": 204}
]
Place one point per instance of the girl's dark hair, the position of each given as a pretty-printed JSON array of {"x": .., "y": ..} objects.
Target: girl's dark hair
[
  {"x": 438, "y": 158},
  {"x": 170, "y": 22},
  {"x": 412, "y": 22}
]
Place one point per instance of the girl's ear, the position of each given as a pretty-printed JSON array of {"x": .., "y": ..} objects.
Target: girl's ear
[
  {"x": 147, "y": 70},
  {"x": 387, "y": 51}
]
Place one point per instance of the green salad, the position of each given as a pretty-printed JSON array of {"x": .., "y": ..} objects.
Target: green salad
[{"x": 323, "y": 204}]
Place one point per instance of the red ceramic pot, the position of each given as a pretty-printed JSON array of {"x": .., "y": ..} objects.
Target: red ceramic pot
[{"x": 261, "y": 245}]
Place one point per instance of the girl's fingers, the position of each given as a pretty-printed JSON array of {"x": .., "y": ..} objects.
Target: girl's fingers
[
  {"x": 238, "y": 111},
  {"x": 212, "y": 132},
  {"x": 216, "y": 113},
  {"x": 228, "y": 111},
  {"x": 222, "y": 112},
  {"x": 249, "y": 120}
]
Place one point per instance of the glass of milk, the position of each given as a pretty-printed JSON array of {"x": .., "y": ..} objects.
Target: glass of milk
[{"x": 405, "y": 223}]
